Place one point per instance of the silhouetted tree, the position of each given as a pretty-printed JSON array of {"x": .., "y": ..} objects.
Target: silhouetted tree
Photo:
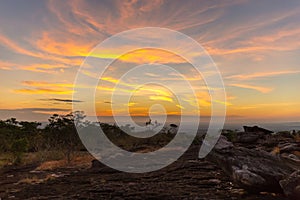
[{"x": 62, "y": 132}]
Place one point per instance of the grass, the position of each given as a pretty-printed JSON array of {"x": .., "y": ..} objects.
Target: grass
[
  {"x": 5, "y": 159},
  {"x": 48, "y": 160},
  {"x": 80, "y": 160}
]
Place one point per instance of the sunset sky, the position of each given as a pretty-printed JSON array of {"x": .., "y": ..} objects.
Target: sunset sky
[{"x": 254, "y": 43}]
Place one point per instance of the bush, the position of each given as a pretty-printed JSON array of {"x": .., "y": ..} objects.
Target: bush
[{"x": 18, "y": 148}]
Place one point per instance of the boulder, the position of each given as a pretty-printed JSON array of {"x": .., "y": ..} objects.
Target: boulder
[
  {"x": 291, "y": 159},
  {"x": 256, "y": 129},
  {"x": 289, "y": 147},
  {"x": 252, "y": 134},
  {"x": 291, "y": 186},
  {"x": 245, "y": 137},
  {"x": 254, "y": 170}
]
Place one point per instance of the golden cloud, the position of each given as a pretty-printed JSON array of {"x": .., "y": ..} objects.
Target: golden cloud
[{"x": 43, "y": 91}]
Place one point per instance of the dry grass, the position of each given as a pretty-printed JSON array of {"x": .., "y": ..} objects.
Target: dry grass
[
  {"x": 49, "y": 159},
  {"x": 5, "y": 159},
  {"x": 275, "y": 151},
  {"x": 81, "y": 160},
  {"x": 51, "y": 165}
]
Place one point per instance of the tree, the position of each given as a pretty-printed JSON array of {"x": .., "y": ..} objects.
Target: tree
[
  {"x": 31, "y": 131},
  {"x": 62, "y": 132},
  {"x": 9, "y": 132}
]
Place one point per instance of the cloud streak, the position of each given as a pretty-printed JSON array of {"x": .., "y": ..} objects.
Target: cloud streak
[
  {"x": 62, "y": 100},
  {"x": 252, "y": 87},
  {"x": 261, "y": 75},
  {"x": 43, "y": 91}
]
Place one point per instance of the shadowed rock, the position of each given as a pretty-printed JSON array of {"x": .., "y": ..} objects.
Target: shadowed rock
[
  {"x": 256, "y": 129},
  {"x": 253, "y": 170},
  {"x": 291, "y": 186}
]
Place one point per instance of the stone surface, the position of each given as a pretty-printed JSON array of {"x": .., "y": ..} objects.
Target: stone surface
[
  {"x": 253, "y": 170},
  {"x": 256, "y": 129},
  {"x": 291, "y": 186}
]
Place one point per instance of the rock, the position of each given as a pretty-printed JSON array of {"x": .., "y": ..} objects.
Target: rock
[
  {"x": 285, "y": 134},
  {"x": 291, "y": 160},
  {"x": 256, "y": 129},
  {"x": 288, "y": 153},
  {"x": 245, "y": 137},
  {"x": 252, "y": 134},
  {"x": 245, "y": 177},
  {"x": 223, "y": 144},
  {"x": 291, "y": 186},
  {"x": 254, "y": 170},
  {"x": 288, "y": 147}
]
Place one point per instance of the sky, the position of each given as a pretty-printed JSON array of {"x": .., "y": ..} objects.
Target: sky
[{"x": 255, "y": 45}]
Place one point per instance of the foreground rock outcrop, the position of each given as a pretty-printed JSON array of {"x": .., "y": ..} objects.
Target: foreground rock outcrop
[
  {"x": 264, "y": 170},
  {"x": 256, "y": 170},
  {"x": 291, "y": 186}
]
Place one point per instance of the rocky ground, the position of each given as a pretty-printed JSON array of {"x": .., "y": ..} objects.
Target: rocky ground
[{"x": 187, "y": 178}]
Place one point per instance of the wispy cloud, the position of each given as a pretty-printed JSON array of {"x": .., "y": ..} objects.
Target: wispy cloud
[
  {"x": 151, "y": 56},
  {"x": 261, "y": 75},
  {"x": 62, "y": 100},
  {"x": 5, "y": 41},
  {"x": 44, "y": 68},
  {"x": 44, "y": 87},
  {"x": 253, "y": 87},
  {"x": 68, "y": 47},
  {"x": 43, "y": 91},
  {"x": 35, "y": 109},
  {"x": 161, "y": 98},
  {"x": 35, "y": 114},
  {"x": 16, "y": 48},
  {"x": 47, "y": 84},
  {"x": 6, "y": 65}
]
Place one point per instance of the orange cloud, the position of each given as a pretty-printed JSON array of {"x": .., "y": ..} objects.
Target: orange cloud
[
  {"x": 67, "y": 47},
  {"x": 257, "y": 88},
  {"x": 151, "y": 56},
  {"x": 5, "y": 41}
]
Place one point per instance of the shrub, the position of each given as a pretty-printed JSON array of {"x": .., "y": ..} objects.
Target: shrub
[{"x": 18, "y": 148}]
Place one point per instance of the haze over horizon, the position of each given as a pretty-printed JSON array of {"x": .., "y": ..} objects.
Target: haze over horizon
[{"x": 255, "y": 45}]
